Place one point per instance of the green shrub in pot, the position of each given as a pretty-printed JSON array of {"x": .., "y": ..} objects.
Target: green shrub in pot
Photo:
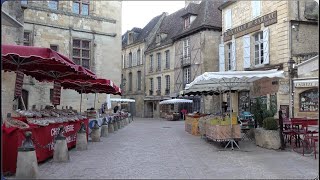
[{"x": 270, "y": 123}]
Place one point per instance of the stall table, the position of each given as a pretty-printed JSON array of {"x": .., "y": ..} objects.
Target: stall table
[
  {"x": 191, "y": 124},
  {"x": 43, "y": 140}
]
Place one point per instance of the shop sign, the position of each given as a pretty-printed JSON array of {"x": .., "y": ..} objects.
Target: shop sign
[
  {"x": 307, "y": 84},
  {"x": 251, "y": 26},
  {"x": 19, "y": 83},
  {"x": 56, "y": 93}
]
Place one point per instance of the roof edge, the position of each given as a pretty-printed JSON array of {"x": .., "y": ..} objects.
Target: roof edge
[
  {"x": 196, "y": 30},
  {"x": 226, "y": 4}
]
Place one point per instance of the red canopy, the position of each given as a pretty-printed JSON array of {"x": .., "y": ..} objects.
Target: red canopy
[
  {"x": 91, "y": 86},
  {"x": 44, "y": 64}
]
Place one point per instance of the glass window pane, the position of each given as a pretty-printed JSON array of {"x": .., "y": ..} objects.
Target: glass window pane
[
  {"x": 86, "y": 63},
  {"x": 76, "y": 7},
  {"x": 76, "y": 52},
  {"x": 85, "y": 9},
  {"x": 76, "y": 43},
  {"x": 54, "y": 47},
  {"x": 26, "y": 36},
  {"x": 86, "y": 44},
  {"x": 53, "y": 5},
  {"x": 86, "y": 53},
  {"x": 76, "y": 61}
]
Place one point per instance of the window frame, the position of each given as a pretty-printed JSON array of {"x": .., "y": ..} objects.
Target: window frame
[
  {"x": 228, "y": 19},
  {"x": 159, "y": 83},
  {"x": 260, "y": 50},
  {"x": 159, "y": 61},
  {"x": 256, "y": 7},
  {"x": 54, "y": 45},
  {"x": 167, "y": 52},
  {"x": 57, "y": 5},
  {"x": 138, "y": 57},
  {"x": 187, "y": 22},
  {"x": 186, "y": 75},
  {"x": 130, "y": 81},
  {"x": 186, "y": 48},
  {"x": 167, "y": 82},
  {"x": 139, "y": 77},
  {"x": 130, "y": 59},
  {"x": 81, "y": 3},
  {"x": 313, "y": 90},
  {"x": 81, "y": 49},
  {"x": 29, "y": 42},
  {"x": 151, "y": 86},
  {"x": 229, "y": 55},
  {"x": 151, "y": 63}
]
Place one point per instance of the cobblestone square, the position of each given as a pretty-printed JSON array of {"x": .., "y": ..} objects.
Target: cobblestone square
[{"x": 156, "y": 148}]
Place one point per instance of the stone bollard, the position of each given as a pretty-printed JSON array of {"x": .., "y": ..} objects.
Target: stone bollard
[
  {"x": 118, "y": 123},
  {"x": 95, "y": 133},
  {"x": 110, "y": 126},
  {"x": 82, "y": 141},
  {"x": 127, "y": 121},
  {"x": 61, "y": 153},
  {"x": 104, "y": 128},
  {"x": 27, "y": 164},
  {"x": 121, "y": 123},
  {"x": 115, "y": 125}
]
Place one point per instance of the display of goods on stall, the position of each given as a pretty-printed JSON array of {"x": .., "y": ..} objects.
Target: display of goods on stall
[
  {"x": 91, "y": 113},
  {"x": 223, "y": 132},
  {"x": 191, "y": 123},
  {"x": 15, "y": 123}
]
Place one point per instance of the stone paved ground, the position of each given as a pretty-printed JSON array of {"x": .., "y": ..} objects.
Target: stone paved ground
[{"x": 154, "y": 148}]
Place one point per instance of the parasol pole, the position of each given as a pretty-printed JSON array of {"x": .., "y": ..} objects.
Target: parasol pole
[
  {"x": 24, "y": 106},
  {"x": 81, "y": 101},
  {"x": 94, "y": 104},
  {"x": 221, "y": 101}
]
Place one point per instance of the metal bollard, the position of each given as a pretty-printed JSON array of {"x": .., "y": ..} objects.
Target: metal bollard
[
  {"x": 82, "y": 141},
  {"x": 61, "y": 153},
  {"x": 96, "y": 133},
  {"x": 27, "y": 164},
  {"x": 104, "y": 128}
]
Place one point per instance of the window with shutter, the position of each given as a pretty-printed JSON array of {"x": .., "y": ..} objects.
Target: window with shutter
[
  {"x": 221, "y": 58},
  {"x": 258, "y": 49},
  {"x": 228, "y": 19},
  {"x": 266, "y": 46},
  {"x": 138, "y": 57},
  {"x": 246, "y": 51},
  {"x": 186, "y": 46},
  {"x": 229, "y": 56},
  {"x": 130, "y": 59},
  {"x": 233, "y": 60}
]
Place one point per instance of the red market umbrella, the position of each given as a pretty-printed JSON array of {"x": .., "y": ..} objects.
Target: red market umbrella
[
  {"x": 91, "y": 86},
  {"x": 44, "y": 64}
]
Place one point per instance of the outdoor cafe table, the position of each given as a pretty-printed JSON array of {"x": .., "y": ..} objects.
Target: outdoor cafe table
[{"x": 43, "y": 141}]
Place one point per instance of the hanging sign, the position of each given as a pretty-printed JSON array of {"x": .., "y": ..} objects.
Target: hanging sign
[
  {"x": 56, "y": 93},
  {"x": 19, "y": 83}
]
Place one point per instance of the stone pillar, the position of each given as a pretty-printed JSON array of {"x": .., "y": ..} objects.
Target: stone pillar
[
  {"x": 61, "y": 153},
  {"x": 27, "y": 164},
  {"x": 110, "y": 127},
  {"x": 96, "y": 133},
  {"x": 104, "y": 129},
  {"x": 82, "y": 141},
  {"x": 115, "y": 124}
]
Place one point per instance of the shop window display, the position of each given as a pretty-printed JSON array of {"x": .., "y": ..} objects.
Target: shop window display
[{"x": 309, "y": 101}]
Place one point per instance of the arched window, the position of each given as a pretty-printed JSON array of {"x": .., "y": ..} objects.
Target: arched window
[{"x": 309, "y": 100}]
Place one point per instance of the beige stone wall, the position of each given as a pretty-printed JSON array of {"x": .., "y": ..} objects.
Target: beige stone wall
[
  {"x": 305, "y": 39},
  {"x": 279, "y": 49},
  {"x": 102, "y": 28},
  {"x": 161, "y": 73}
]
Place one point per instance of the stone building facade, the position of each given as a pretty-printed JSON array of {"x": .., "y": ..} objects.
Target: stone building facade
[
  {"x": 88, "y": 32},
  {"x": 261, "y": 35},
  {"x": 11, "y": 33},
  {"x": 134, "y": 45}
]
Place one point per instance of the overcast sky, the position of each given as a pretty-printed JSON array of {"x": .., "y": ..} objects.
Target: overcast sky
[{"x": 139, "y": 13}]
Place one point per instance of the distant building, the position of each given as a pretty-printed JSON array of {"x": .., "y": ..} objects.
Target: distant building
[{"x": 134, "y": 45}]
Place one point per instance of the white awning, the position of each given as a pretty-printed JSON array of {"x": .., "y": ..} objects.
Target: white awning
[
  {"x": 122, "y": 100},
  {"x": 176, "y": 101}
]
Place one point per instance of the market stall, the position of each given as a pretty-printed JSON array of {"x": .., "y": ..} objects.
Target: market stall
[
  {"x": 44, "y": 126},
  {"x": 191, "y": 123},
  {"x": 232, "y": 80},
  {"x": 43, "y": 64},
  {"x": 173, "y": 116}
]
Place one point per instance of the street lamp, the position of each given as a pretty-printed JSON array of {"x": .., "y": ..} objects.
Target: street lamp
[{"x": 291, "y": 72}]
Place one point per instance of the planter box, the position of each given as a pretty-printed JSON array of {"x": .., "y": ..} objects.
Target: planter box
[{"x": 269, "y": 139}]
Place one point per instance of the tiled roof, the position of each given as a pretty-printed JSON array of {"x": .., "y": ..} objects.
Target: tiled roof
[
  {"x": 208, "y": 16},
  {"x": 141, "y": 34}
]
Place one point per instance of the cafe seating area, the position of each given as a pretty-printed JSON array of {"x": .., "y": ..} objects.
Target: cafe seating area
[{"x": 302, "y": 135}]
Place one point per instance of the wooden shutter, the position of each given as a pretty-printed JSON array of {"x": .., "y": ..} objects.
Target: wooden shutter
[
  {"x": 266, "y": 46},
  {"x": 256, "y": 8},
  {"x": 221, "y": 58},
  {"x": 246, "y": 51},
  {"x": 228, "y": 18},
  {"x": 233, "y": 56}
]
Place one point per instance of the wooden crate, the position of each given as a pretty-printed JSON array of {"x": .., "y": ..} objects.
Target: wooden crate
[{"x": 222, "y": 132}]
